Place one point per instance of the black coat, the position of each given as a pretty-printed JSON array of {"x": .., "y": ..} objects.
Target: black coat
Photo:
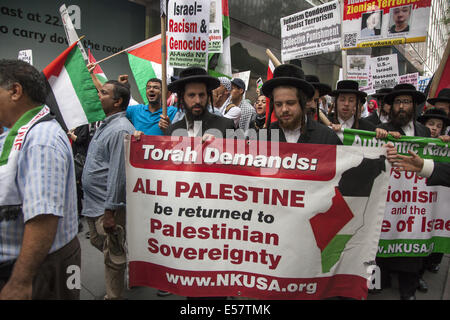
[
  {"x": 209, "y": 121},
  {"x": 440, "y": 175},
  {"x": 316, "y": 133},
  {"x": 419, "y": 129},
  {"x": 373, "y": 118},
  {"x": 363, "y": 124}
]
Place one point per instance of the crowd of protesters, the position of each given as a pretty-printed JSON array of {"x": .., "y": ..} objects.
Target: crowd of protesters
[{"x": 56, "y": 177}]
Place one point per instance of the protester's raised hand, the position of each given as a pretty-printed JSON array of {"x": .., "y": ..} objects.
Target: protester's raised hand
[
  {"x": 123, "y": 78},
  {"x": 381, "y": 133},
  {"x": 445, "y": 138},
  {"x": 164, "y": 122},
  {"x": 409, "y": 163},
  {"x": 91, "y": 66},
  {"x": 395, "y": 134}
]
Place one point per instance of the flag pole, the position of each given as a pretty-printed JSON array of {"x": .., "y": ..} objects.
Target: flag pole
[
  {"x": 439, "y": 71},
  {"x": 163, "y": 58}
]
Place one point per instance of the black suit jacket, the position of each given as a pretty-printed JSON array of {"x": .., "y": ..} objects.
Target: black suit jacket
[
  {"x": 363, "y": 124},
  {"x": 316, "y": 133},
  {"x": 212, "y": 123},
  {"x": 440, "y": 175},
  {"x": 373, "y": 118},
  {"x": 419, "y": 129}
]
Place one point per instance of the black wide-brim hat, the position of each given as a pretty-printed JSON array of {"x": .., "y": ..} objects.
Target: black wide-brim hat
[
  {"x": 382, "y": 93},
  {"x": 288, "y": 75},
  {"x": 443, "y": 96},
  {"x": 405, "y": 89},
  {"x": 434, "y": 113},
  {"x": 194, "y": 74},
  {"x": 322, "y": 87},
  {"x": 349, "y": 86}
]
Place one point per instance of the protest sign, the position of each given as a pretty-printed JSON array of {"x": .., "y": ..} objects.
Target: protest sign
[
  {"x": 311, "y": 32},
  {"x": 188, "y": 33},
  {"x": 215, "y": 27},
  {"x": 244, "y": 76},
  {"x": 275, "y": 221},
  {"x": 423, "y": 83},
  {"x": 358, "y": 69},
  {"x": 384, "y": 71},
  {"x": 368, "y": 23},
  {"x": 26, "y": 55},
  {"x": 411, "y": 78},
  {"x": 416, "y": 221}
]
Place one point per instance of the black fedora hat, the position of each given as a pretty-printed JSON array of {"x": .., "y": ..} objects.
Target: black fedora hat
[
  {"x": 288, "y": 75},
  {"x": 381, "y": 93},
  {"x": 434, "y": 113},
  {"x": 405, "y": 89},
  {"x": 443, "y": 96},
  {"x": 194, "y": 74},
  {"x": 322, "y": 87},
  {"x": 349, "y": 86}
]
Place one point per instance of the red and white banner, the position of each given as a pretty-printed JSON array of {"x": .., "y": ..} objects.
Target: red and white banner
[{"x": 257, "y": 219}]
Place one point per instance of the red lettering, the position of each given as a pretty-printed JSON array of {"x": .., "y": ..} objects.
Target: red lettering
[
  {"x": 181, "y": 187},
  {"x": 155, "y": 224},
  {"x": 297, "y": 198}
]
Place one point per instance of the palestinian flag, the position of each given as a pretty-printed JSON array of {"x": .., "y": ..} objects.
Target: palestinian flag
[
  {"x": 145, "y": 62},
  {"x": 270, "y": 76},
  {"x": 219, "y": 64},
  {"x": 98, "y": 70},
  {"x": 72, "y": 96}
]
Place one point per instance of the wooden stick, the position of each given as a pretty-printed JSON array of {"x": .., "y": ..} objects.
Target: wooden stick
[
  {"x": 324, "y": 119},
  {"x": 107, "y": 58},
  {"x": 439, "y": 71},
  {"x": 272, "y": 57},
  {"x": 163, "y": 65}
]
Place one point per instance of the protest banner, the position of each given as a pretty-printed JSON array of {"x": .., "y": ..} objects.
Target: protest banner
[
  {"x": 384, "y": 71},
  {"x": 215, "y": 27},
  {"x": 368, "y": 23},
  {"x": 311, "y": 32},
  {"x": 275, "y": 221},
  {"x": 358, "y": 69},
  {"x": 188, "y": 33},
  {"x": 26, "y": 55},
  {"x": 411, "y": 78},
  {"x": 416, "y": 221}
]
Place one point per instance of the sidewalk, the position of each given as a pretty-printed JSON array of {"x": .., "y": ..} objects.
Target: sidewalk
[{"x": 93, "y": 288}]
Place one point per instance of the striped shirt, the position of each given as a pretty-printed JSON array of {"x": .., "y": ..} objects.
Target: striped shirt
[
  {"x": 103, "y": 176},
  {"x": 46, "y": 184}
]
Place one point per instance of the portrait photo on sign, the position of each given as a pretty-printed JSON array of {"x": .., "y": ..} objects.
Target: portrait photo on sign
[
  {"x": 400, "y": 19},
  {"x": 212, "y": 12},
  {"x": 371, "y": 24}
]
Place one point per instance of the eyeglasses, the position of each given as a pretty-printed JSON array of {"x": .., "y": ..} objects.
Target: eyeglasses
[{"x": 405, "y": 102}]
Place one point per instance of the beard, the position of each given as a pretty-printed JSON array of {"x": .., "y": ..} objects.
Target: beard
[
  {"x": 190, "y": 116},
  {"x": 401, "y": 117},
  {"x": 292, "y": 124}
]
